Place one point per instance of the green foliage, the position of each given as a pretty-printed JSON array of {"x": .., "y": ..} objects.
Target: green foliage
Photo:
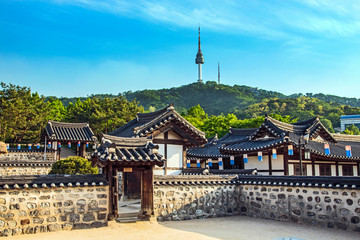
[
  {"x": 73, "y": 165},
  {"x": 103, "y": 115},
  {"x": 221, "y": 124},
  {"x": 22, "y": 114},
  {"x": 352, "y": 130}
]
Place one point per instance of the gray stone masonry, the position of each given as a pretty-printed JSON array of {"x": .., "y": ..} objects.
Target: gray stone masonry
[
  {"x": 34, "y": 210},
  {"x": 26, "y": 162},
  {"x": 183, "y": 198}
]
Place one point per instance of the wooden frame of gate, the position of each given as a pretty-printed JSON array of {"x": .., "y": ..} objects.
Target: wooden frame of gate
[{"x": 110, "y": 169}]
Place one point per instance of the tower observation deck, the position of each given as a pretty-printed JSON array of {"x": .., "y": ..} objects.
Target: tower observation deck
[{"x": 199, "y": 60}]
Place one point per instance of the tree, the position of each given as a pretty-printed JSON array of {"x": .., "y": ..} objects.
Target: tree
[
  {"x": 352, "y": 130},
  {"x": 73, "y": 165},
  {"x": 22, "y": 114}
]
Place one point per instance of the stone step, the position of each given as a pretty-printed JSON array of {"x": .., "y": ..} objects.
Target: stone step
[
  {"x": 128, "y": 215},
  {"x": 126, "y": 220}
]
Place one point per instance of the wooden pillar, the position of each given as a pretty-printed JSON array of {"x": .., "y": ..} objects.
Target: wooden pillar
[
  {"x": 166, "y": 137},
  {"x": 82, "y": 149},
  {"x": 358, "y": 168},
  {"x": 337, "y": 168},
  {"x": 109, "y": 176},
  {"x": 116, "y": 192},
  {"x": 286, "y": 161},
  {"x": 270, "y": 163},
  {"x": 313, "y": 166},
  {"x": 184, "y": 156},
  {"x": 147, "y": 192}
]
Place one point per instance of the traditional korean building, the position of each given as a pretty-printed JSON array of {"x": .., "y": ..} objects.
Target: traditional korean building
[
  {"x": 209, "y": 155},
  {"x": 170, "y": 131},
  {"x": 278, "y": 148},
  {"x": 57, "y": 134},
  {"x": 128, "y": 164}
]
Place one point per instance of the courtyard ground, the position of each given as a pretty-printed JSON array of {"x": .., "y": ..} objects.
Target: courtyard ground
[{"x": 237, "y": 227}]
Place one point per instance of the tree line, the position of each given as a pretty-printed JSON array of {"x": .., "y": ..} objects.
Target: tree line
[{"x": 24, "y": 114}]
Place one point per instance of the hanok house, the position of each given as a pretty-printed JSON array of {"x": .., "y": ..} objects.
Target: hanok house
[
  {"x": 57, "y": 134},
  {"x": 128, "y": 164},
  {"x": 170, "y": 131},
  {"x": 278, "y": 148},
  {"x": 209, "y": 156}
]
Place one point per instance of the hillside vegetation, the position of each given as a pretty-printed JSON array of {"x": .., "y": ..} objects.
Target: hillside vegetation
[{"x": 242, "y": 101}]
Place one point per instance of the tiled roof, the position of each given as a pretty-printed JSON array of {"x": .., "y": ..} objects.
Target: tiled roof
[
  {"x": 146, "y": 123},
  {"x": 255, "y": 145},
  {"x": 313, "y": 127},
  {"x": 119, "y": 149},
  {"x": 330, "y": 182},
  {"x": 211, "y": 149},
  {"x": 51, "y": 181},
  {"x": 286, "y": 134},
  {"x": 60, "y": 131}
]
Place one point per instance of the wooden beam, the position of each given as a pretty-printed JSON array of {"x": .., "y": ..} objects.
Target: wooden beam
[
  {"x": 337, "y": 168},
  {"x": 166, "y": 136},
  {"x": 270, "y": 162},
  {"x": 313, "y": 166},
  {"x": 286, "y": 161}
]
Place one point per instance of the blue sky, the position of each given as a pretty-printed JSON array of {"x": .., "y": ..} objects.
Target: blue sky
[{"x": 79, "y": 47}]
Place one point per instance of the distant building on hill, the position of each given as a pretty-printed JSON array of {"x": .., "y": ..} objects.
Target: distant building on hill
[
  {"x": 199, "y": 60},
  {"x": 347, "y": 120}
]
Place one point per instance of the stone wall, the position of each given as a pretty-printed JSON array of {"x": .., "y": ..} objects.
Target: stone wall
[
  {"x": 27, "y": 155},
  {"x": 306, "y": 200},
  {"x": 332, "y": 208},
  {"x": 184, "y": 198},
  {"x": 26, "y": 162},
  {"x": 22, "y": 169},
  {"x": 52, "y": 203}
]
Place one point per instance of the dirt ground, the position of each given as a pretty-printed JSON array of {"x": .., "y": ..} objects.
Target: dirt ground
[{"x": 237, "y": 227}]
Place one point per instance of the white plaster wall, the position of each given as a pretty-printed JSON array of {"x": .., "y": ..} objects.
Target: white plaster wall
[
  {"x": 173, "y": 135},
  {"x": 340, "y": 170},
  {"x": 355, "y": 171},
  {"x": 174, "y": 155},
  {"x": 160, "y": 136},
  {"x": 278, "y": 173},
  {"x": 159, "y": 172},
  {"x": 317, "y": 170},
  {"x": 161, "y": 149},
  {"x": 278, "y": 163},
  {"x": 308, "y": 170},
  {"x": 333, "y": 170},
  {"x": 253, "y": 162},
  {"x": 173, "y": 172},
  {"x": 291, "y": 169}
]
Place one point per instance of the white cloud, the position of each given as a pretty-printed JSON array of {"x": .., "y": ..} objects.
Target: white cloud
[{"x": 268, "y": 19}]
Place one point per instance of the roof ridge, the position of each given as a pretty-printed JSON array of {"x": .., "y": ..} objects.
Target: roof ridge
[
  {"x": 150, "y": 115},
  {"x": 66, "y": 123}
]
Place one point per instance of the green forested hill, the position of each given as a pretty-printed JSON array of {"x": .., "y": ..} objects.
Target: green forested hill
[
  {"x": 243, "y": 101},
  {"x": 213, "y": 98}
]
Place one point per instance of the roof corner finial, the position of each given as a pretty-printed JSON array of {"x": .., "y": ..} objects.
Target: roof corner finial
[{"x": 171, "y": 106}]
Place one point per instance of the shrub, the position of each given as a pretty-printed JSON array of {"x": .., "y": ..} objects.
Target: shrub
[{"x": 73, "y": 165}]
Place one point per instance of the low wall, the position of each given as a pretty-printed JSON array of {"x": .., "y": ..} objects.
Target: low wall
[
  {"x": 26, "y": 162},
  {"x": 28, "y": 155},
  {"x": 52, "y": 203},
  {"x": 327, "y": 202}
]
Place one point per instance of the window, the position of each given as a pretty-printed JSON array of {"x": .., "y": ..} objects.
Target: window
[
  {"x": 325, "y": 170},
  {"x": 297, "y": 169},
  {"x": 348, "y": 170}
]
